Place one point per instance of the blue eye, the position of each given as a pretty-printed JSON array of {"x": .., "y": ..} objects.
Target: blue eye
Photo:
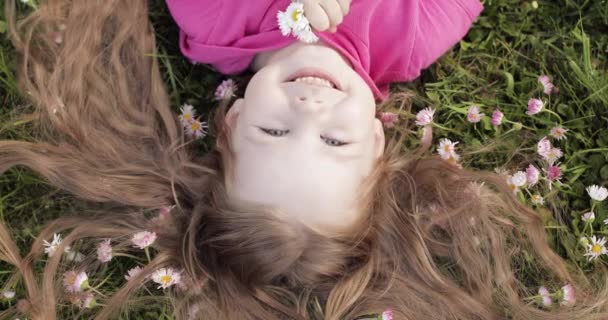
[
  {"x": 275, "y": 132},
  {"x": 279, "y": 133}
]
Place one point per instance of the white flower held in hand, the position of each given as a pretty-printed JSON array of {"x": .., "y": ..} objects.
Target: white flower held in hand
[{"x": 293, "y": 21}]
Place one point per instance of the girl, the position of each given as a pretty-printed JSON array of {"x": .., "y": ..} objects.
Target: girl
[{"x": 394, "y": 229}]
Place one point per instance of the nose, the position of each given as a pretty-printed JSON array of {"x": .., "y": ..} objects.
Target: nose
[{"x": 309, "y": 103}]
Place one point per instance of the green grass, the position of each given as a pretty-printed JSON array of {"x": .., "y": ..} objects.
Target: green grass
[{"x": 496, "y": 65}]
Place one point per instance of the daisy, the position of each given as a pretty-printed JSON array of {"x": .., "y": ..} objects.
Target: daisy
[
  {"x": 293, "y": 21},
  {"x": 519, "y": 179},
  {"x": 589, "y": 216},
  {"x": 104, "y": 251},
  {"x": 596, "y": 248},
  {"x": 553, "y": 155},
  {"x": 425, "y": 116},
  {"x": 554, "y": 173},
  {"x": 447, "y": 149},
  {"x": 225, "y": 90},
  {"x": 188, "y": 114},
  {"x": 8, "y": 294},
  {"x": 497, "y": 117},
  {"x": 473, "y": 115},
  {"x": 546, "y": 296},
  {"x": 537, "y": 200},
  {"x": 606, "y": 221},
  {"x": 51, "y": 247},
  {"x": 543, "y": 147},
  {"x": 547, "y": 85},
  {"x": 88, "y": 301},
  {"x": 387, "y": 315},
  {"x": 558, "y": 132},
  {"x": 74, "y": 282},
  {"x": 597, "y": 193},
  {"x": 535, "y": 106},
  {"x": 166, "y": 277},
  {"x": 512, "y": 185},
  {"x": 568, "y": 296},
  {"x": 197, "y": 129},
  {"x": 532, "y": 175},
  {"x": 132, "y": 273},
  {"x": 388, "y": 119},
  {"x": 143, "y": 239}
]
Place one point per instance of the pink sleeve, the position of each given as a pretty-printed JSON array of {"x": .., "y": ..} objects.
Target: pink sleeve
[
  {"x": 195, "y": 18},
  {"x": 441, "y": 24}
]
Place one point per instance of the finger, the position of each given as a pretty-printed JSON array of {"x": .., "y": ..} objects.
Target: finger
[
  {"x": 333, "y": 11},
  {"x": 317, "y": 17},
  {"x": 345, "y": 6}
]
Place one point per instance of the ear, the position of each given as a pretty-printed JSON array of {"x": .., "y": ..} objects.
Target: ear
[
  {"x": 379, "y": 139},
  {"x": 233, "y": 113}
]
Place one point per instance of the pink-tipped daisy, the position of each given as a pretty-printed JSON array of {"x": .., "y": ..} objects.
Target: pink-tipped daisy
[
  {"x": 74, "y": 282},
  {"x": 197, "y": 129},
  {"x": 474, "y": 115},
  {"x": 143, "y": 239},
  {"x": 388, "y": 119},
  {"x": 558, "y": 132},
  {"x": 497, "y": 117},
  {"x": 188, "y": 114},
  {"x": 546, "y": 296},
  {"x": 547, "y": 85},
  {"x": 425, "y": 116},
  {"x": 104, "y": 251},
  {"x": 568, "y": 295},
  {"x": 588, "y": 217},
  {"x": 532, "y": 175},
  {"x": 535, "y": 106},
  {"x": 387, "y": 315},
  {"x": 226, "y": 90},
  {"x": 132, "y": 273},
  {"x": 447, "y": 149}
]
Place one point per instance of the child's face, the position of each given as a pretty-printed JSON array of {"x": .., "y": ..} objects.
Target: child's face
[{"x": 284, "y": 137}]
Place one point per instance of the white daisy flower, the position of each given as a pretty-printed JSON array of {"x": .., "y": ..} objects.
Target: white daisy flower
[
  {"x": 75, "y": 281},
  {"x": 133, "y": 272},
  {"x": 447, "y": 148},
  {"x": 596, "y": 248},
  {"x": 188, "y": 114},
  {"x": 197, "y": 129},
  {"x": 143, "y": 239},
  {"x": 225, "y": 90},
  {"x": 537, "y": 200},
  {"x": 546, "y": 296},
  {"x": 425, "y": 116},
  {"x": 166, "y": 277},
  {"x": 519, "y": 179},
  {"x": 597, "y": 193},
  {"x": 589, "y": 216},
  {"x": 8, "y": 294},
  {"x": 606, "y": 221},
  {"x": 51, "y": 247},
  {"x": 293, "y": 21}
]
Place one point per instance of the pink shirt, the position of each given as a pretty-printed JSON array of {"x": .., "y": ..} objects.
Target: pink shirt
[{"x": 385, "y": 40}]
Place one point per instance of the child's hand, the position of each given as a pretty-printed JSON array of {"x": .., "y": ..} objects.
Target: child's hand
[{"x": 326, "y": 14}]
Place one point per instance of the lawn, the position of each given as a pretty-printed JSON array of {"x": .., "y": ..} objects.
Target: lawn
[{"x": 496, "y": 67}]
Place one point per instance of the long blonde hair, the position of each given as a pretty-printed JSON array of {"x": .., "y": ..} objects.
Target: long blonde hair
[{"x": 437, "y": 242}]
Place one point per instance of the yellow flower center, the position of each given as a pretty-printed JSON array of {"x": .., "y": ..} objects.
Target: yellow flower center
[
  {"x": 187, "y": 116},
  {"x": 166, "y": 279},
  {"x": 71, "y": 279},
  {"x": 596, "y": 249},
  {"x": 295, "y": 15},
  {"x": 447, "y": 148},
  {"x": 195, "y": 126}
]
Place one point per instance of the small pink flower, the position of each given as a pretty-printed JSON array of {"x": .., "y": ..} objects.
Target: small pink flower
[
  {"x": 132, "y": 273},
  {"x": 558, "y": 132},
  {"x": 197, "y": 129},
  {"x": 497, "y": 117},
  {"x": 225, "y": 90},
  {"x": 544, "y": 146},
  {"x": 568, "y": 296},
  {"x": 188, "y": 114},
  {"x": 473, "y": 114},
  {"x": 88, "y": 301},
  {"x": 544, "y": 293},
  {"x": 143, "y": 239},
  {"x": 425, "y": 116},
  {"x": 535, "y": 106},
  {"x": 554, "y": 173},
  {"x": 547, "y": 85},
  {"x": 532, "y": 175},
  {"x": 553, "y": 155},
  {"x": 104, "y": 251},
  {"x": 387, "y": 315},
  {"x": 388, "y": 119},
  {"x": 588, "y": 217},
  {"x": 74, "y": 282}
]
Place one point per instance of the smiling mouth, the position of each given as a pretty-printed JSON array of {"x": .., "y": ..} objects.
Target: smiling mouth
[{"x": 316, "y": 77}]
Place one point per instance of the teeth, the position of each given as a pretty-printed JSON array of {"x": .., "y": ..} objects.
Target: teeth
[{"x": 315, "y": 81}]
